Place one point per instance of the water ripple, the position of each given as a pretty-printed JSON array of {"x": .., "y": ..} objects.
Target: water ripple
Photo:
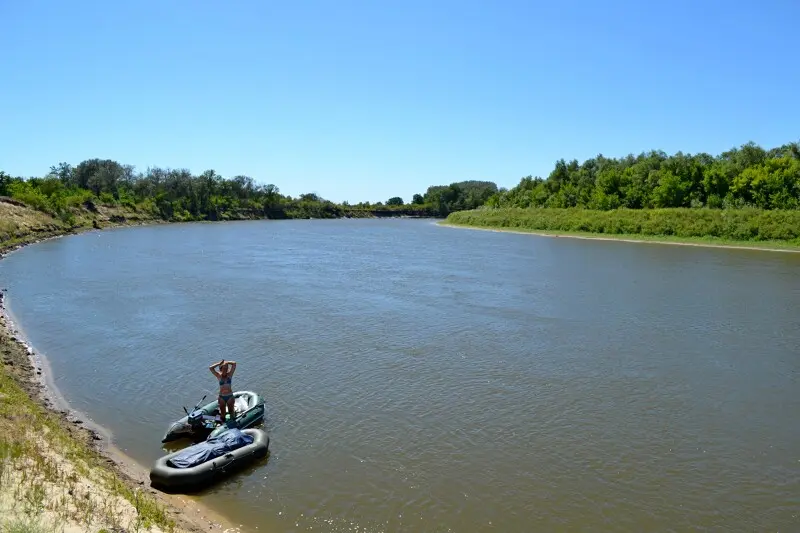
[{"x": 420, "y": 380}]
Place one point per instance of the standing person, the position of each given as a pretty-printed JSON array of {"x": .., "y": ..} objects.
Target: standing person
[{"x": 225, "y": 398}]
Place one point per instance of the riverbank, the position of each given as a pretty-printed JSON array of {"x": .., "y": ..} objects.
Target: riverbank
[
  {"x": 706, "y": 243},
  {"x": 755, "y": 229},
  {"x": 21, "y": 225},
  {"x": 57, "y": 471}
]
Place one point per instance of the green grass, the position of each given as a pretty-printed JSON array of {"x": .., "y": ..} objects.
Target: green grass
[
  {"x": 743, "y": 227},
  {"x": 24, "y": 525},
  {"x": 700, "y": 241}
]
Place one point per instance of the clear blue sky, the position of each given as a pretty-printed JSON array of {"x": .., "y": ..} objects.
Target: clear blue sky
[{"x": 363, "y": 100}]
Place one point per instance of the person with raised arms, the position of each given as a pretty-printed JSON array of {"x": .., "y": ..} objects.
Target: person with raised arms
[{"x": 225, "y": 398}]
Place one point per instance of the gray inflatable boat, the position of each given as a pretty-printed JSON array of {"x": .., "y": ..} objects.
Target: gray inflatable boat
[{"x": 195, "y": 467}]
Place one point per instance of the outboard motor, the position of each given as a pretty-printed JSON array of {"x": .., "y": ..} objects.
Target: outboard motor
[{"x": 196, "y": 419}]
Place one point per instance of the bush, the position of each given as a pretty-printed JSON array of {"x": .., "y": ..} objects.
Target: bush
[
  {"x": 67, "y": 217},
  {"x": 746, "y": 224},
  {"x": 77, "y": 197},
  {"x": 30, "y": 196},
  {"x": 107, "y": 199}
]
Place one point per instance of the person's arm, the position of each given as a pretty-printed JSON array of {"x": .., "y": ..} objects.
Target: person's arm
[
  {"x": 233, "y": 366},
  {"x": 215, "y": 365}
]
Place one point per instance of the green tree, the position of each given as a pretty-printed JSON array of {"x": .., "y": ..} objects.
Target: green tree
[
  {"x": 671, "y": 191},
  {"x": 5, "y": 181}
]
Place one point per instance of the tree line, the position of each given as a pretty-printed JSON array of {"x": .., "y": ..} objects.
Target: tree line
[
  {"x": 179, "y": 195},
  {"x": 745, "y": 176}
]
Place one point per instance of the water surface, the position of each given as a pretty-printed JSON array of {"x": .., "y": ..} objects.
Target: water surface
[{"x": 420, "y": 378}]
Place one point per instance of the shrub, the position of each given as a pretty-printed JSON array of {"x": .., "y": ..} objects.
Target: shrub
[{"x": 746, "y": 224}]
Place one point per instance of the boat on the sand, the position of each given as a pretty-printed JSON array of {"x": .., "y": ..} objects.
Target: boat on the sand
[
  {"x": 201, "y": 464},
  {"x": 204, "y": 422}
]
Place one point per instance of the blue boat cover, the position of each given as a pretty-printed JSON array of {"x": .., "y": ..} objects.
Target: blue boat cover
[{"x": 225, "y": 442}]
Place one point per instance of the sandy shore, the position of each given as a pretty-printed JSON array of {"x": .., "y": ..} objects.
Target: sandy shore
[
  {"x": 601, "y": 237},
  {"x": 85, "y": 460}
]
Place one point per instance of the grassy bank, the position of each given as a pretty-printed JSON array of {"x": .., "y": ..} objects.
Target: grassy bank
[
  {"x": 22, "y": 224},
  {"x": 740, "y": 227}
]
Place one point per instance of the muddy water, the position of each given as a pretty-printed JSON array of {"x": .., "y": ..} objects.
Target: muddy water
[{"x": 419, "y": 378}]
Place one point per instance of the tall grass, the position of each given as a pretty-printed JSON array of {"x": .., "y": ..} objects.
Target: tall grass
[{"x": 732, "y": 225}]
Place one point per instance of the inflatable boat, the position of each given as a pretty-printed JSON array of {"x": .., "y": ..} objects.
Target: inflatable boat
[
  {"x": 204, "y": 422},
  {"x": 199, "y": 465}
]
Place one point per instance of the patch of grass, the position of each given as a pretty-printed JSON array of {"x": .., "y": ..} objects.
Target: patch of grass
[
  {"x": 24, "y": 525},
  {"x": 749, "y": 227}
]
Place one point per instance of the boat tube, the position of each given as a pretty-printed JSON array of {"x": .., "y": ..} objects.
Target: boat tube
[
  {"x": 201, "y": 464},
  {"x": 204, "y": 422}
]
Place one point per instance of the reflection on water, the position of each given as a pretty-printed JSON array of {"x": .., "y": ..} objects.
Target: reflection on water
[{"x": 425, "y": 379}]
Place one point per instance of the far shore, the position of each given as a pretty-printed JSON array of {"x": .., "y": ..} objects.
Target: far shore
[{"x": 641, "y": 239}]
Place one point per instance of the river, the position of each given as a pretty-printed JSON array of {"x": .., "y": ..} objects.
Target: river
[{"x": 420, "y": 378}]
